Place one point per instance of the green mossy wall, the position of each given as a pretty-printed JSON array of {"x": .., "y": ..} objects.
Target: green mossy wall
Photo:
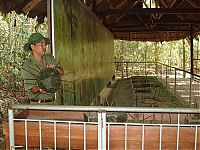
[{"x": 85, "y": 50}]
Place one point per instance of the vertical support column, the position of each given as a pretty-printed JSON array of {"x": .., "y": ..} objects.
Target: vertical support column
[
  {"x": 184, "y": 59},
  {"x": 145, "y": 63},
  {"x": 166, "y": 76},
  {"x": 161, "y": 71},
  {"x": 175, "y": 82},
  {"x": 101, "y": 130},
  {"x": 11, "y": 129},
  {"x": 197, "y": 55},
  {"x": 122, "y": 70},
  {"x": 191, "y": 63},
  {"x": 156, "y": 58},
  {"x": 52, "y": 27},
  {"x": 191, "y": 51},
  {"x": 190, "y": 97},
  {"x": 49, "y": 21},
  {"x": 74, "y": 89},
  {"x": 127, "y": 70}
]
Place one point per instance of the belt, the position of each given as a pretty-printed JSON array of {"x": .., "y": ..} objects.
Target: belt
[{"x": 42, "y": 101}]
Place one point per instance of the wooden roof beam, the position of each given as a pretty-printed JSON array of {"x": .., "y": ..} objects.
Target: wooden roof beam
[
  {"x": 148, "y": 30},
  {"x": 172, "y": 3},
  {"x": 3, "y": 5},
  {"x": 150, "y": 25},
  {"x": 179, "y": 15},
  {"x": 193, "y": 4},
  {"x": 130, "y": 7},
  {"x": 154, "y": 16},
  {"x": 164, "y": 3},
  {"x": 129, "y": 23},
  {"x": 179, "y": 3},
  {"x": 151, "y": 10},
  {"x": 119, "y": 5},
  {"x": 97, "y": 2},
  {"x": 141, "y": 20},
  {"x": 30, "y": 6}
]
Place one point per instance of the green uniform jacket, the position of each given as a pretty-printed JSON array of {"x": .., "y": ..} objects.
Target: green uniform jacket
[{"x": 30, "y": 73}]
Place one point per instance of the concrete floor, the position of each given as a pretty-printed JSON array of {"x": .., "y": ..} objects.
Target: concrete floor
[{"x": 123, "y": 93}]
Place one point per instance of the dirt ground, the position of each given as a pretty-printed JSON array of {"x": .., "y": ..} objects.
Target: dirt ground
[{"x": 133, "y": 92}]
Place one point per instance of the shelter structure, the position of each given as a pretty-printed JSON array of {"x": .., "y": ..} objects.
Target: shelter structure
[
  {"x": 140, "y": 20},
  {"x": 144, "y": 20}
]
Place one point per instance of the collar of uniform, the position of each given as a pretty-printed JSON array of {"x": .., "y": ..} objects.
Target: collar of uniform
[{"x": 43, "y": 63}]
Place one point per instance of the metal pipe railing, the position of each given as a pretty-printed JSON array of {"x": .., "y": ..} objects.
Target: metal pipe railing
[
  {"x": 108, "y": 109},
  {"x": 103, "y": 125}
]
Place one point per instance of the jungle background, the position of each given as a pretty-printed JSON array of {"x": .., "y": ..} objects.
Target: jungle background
[{"x": 15, "y": 30}]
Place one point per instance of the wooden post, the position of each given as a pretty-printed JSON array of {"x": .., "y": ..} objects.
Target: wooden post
[
  {"x": 156, "y": 57},
  {"x": 191, "y": 64},
  {"x": 183, "y": 57},
  {"x": 191, "y": 51}
]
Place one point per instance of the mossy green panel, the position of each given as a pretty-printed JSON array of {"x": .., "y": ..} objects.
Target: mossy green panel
[{"x": 85, "y": 49}]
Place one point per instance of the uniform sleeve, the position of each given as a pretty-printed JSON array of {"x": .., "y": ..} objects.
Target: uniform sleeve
[
  {"x": 28, "y": 77},
  {"x": 50, "y": 59}
]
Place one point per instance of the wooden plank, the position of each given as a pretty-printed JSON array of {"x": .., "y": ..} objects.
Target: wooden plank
[
  {"x": 117, "y": 136},
  {"x": 151, "y": 137},
  {"x": 52, "y": 115},
  {"x": 62, "y": 135}
]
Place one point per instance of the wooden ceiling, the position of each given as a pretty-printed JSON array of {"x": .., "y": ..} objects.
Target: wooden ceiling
[{"x": 144, "y": 20}]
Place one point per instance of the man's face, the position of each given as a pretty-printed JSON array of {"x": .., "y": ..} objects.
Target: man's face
[{"x": 39, "y": 48}]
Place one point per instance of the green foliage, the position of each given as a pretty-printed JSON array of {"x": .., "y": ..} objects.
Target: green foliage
[
  {"x": 170, "y": 53},
  {"x": 15, "y": 30},
  {"x": 134, "y": 51}
]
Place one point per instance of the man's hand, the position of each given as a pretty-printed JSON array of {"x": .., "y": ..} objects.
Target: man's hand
[
  {"x": 59, "y": 69},
  {"x": 50, "y": 66},
  {"x": 36, "y": 89}
]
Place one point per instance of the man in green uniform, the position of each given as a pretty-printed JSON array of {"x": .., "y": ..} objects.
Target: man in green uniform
[{"x": 41, "y": 73}]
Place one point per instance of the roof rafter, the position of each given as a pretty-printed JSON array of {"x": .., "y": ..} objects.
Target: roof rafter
[
  {"x": 193, "y": 4},
  {"x": 130, "y": 7},
  {"x": 3, "y": 5},
  {"x": 128, "y": 23},
  {"x": 30, "y": 6},
  {"x": 150, "y": 30},
  {"x": 160, "y": 20},
  {"x": 152, "y": 10}
]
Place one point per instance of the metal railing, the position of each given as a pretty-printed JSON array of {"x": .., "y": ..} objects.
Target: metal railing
[
  {"x": 128, "y": 69},
  {"x": 182, "y": 83},
  {"x": 112, "y": 135}
]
